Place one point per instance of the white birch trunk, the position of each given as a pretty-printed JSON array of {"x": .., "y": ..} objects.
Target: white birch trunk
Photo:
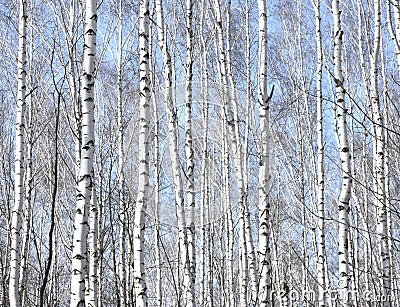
[
  {"x": 264, "y": 296},
  {"x": 364, "y": 201},
  {"x": 100, "y": 238},
  {"x": 345, "y": 157},
  {"x": 379, "y": 162},
  {"x": 386, "y": 120},
  {"x": 29, "y": 184},
  {"x": 16, "y": 221},
  {"x": 142, "y": 198},
  {"x": 71, "y": 45},
  {"x": 253, "y": 265},
  {"x": 121, "y": 177},
  {"x": 368, "y": 245},
  {"x": 157, "y": 230},
  {"x": 190, "y": 291},
  {"x": 93, "y": 286},
  {"x": 210, "y": 248},
  {"x": 395, "y": 34},
  {"x": 320, "y": 167},
  {"x": 85, "y": 179},
  {"x": 157, "y": 237},
  {"x": 204, "y": 160},
  {"x": 203, "y": 238},
  {"x": 203, "y": 186},
  {"x": 229, "y": 222}
]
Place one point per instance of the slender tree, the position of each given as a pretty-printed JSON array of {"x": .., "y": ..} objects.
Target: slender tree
[
  {"x": 321, "y": 254},
  {"x": 86, "y": 177},
  {"x": 121, "y": 176},
  {"x": 394, "y": 33},
  {"x": 344, "y": 149},
  {"x": 379, "y": 160},
  {"x": 204, "y": 157},
  {"x": 190, "y": 300},
  {"x": 16, "y": 222},
  {"x": 54, "y": 195},
  {"x": 157, "y": 230},
  {"x": 157, "y": 170},
  {"x": 29, "y": 175},
  {"x": 92, "y": 290},
  {"x": 264, "y": 296},
  {"x": 142, "y": 198}
]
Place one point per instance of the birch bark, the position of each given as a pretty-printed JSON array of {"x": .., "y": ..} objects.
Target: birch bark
[
  {"x": 157, "y": 237},
  {"x": 229, "y": 221},
  {"x": 71, "y": 45},
  {"x": 379, "y": 161},
  {"x": 85, "y": 178},
  {"x": 320, "y": 167},
  {"x": 204, "y": 159},
  {"x": 157, "y": 170},
  {"x": 93, "y": 285},
  {"x": 203, "y": 192},
  {"x": 29, "y": 180},
  {"x": 264, "y": 296},
  {"x": 190, "y": 292},
  {"x": 142, "y": 199},
  {"x": 16, "y": 221},
  {"x": 386, "y": 122},
  {"x": 345, "y": 157},
  {"x": 121, "y": 177},
  {"x": 395, "y": 34}
]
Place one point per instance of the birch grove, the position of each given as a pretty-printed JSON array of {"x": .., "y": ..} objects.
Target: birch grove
[{"x": 199, "y": 153}]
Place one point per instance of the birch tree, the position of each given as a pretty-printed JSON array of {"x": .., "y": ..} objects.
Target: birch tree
[
  {"x": 121, "y": 157},
  {"x": 204, "y": 159},
  {"x": 29, "y": 183},
  {"x": 157, "y": 170},
  {"x": 93, "y": 284},
  {"x": 320, "y": 168},
  {"x": 379, "y": 161},
  {"x": 190, "y": 299},
  {"x": 71, "y": 34},
  {"x": 157, "y": 230},
  {"x": 16, "y": 222},
  {"x": 142, "y": 198},
  {"x": 263, "y": 184},
  {"x": 343, "y": 143},
  {"x": 394, "y": 31},
  {"x": 86, "y": 177}
]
